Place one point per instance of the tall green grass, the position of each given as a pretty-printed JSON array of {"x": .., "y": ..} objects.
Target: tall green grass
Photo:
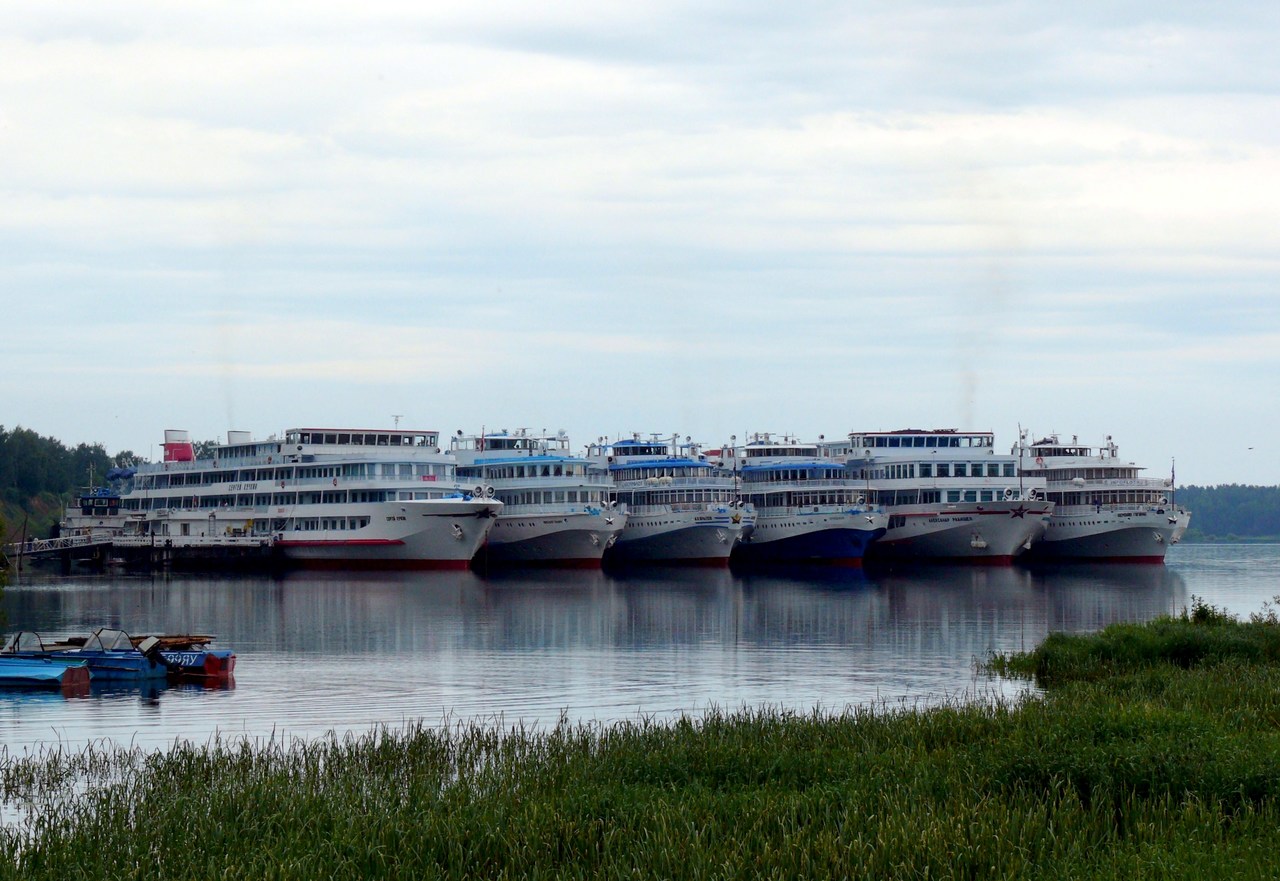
[
  {"x": 1201, "y": 634},
  {"x": 1149, "y": 769}
]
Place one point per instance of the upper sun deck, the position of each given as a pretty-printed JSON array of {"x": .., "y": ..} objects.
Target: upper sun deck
[
  {"x": 358, "y": 437},
  {"x": 498, "y": 446},
  {"x": 884, "y": 442},
  {"x": 667, "y": 448},
  {"x": 1052, "y": 448},
  {"x": 762, "y": 446}
]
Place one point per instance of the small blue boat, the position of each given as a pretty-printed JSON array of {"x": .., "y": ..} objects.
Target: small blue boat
[
  {"x": 111, "y": 654},
  {"x": 114, "y": 655},
  {"x": 65, "y": 673}
]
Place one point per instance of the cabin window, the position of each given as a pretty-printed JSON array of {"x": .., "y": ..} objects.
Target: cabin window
[{"x": 953, "y": 495}]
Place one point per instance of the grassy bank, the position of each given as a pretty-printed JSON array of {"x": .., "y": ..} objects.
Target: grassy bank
[{"x": 1143, "y": 759}]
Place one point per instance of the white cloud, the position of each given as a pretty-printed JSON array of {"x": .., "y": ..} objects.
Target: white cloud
[{"x": 740, "y": 213}]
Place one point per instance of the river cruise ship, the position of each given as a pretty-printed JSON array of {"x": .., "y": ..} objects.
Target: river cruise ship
[
  {"x": 681, "y": 508},
  {"x": 808, "y": 509},
  {"x": 1103, "y": 508},
  {"x": 949, "y": 496},
  {"x": 556, "y": 506},
  {"x": 326, "y": 497}
]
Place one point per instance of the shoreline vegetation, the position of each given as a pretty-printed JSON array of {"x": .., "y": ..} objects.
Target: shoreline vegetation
[{"x": 1146, "y": 751}]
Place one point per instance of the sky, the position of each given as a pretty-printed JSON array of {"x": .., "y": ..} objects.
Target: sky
[{"x": 706, "y": 219}]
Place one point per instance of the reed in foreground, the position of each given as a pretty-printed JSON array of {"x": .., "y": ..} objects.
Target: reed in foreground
[{"x": 1163, "y": 770}]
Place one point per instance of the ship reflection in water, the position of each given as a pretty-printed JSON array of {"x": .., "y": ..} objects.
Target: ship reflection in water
[{"x": 344, "y": 652}]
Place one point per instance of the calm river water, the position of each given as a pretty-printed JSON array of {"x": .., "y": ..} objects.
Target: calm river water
[{"x": 344, "y": 652}]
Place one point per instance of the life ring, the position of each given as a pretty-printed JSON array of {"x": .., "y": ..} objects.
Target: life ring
[{"x": 1039, "y": 460}]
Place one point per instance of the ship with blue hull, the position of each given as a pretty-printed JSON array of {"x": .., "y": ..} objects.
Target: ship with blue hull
[
  {"x": 808, "y": 507},
  {"x": 682, "y": 508}
]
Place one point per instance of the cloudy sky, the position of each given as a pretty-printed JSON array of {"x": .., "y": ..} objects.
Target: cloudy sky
[{"x": 710, "y": 219}]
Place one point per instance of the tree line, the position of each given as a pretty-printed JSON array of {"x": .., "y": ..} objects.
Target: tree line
[
  {"x": 1231, "y": 511},
  {"x": 31, "y": 464},
  {"x": 38, "y": 473}
]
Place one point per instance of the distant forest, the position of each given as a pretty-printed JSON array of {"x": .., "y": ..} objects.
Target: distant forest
[
  {"x": 38, "y": 473},
  {"x": 1231, "y": 512}
]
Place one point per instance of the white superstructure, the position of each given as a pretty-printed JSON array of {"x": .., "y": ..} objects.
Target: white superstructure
[
  {"x": 316, "y": 496},
  {"x": 681, "y": 507},
  {"x": 1103, "y": 509},
  {"x": 556, "y": 506},
  {"x": 949, "y": 495}
]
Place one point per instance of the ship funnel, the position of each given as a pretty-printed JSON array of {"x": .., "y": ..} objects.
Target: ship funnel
[{"x": 178, "y": 446}]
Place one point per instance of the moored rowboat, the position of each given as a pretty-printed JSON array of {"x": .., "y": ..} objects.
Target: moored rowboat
[
  {"x": 19, "y": 672},
  {"x": 114, "y": 655}
]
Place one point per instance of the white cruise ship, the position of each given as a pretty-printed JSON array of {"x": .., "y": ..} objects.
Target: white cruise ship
[
  {"x": 807, "y": 507},
  {"x": 949, "y": 496},
  {"x": 680, "y": 507},
  {"x": 1103, "y": 509},
  {"x": 556, "y": 506},
  {"x": 317, "y": 497}
]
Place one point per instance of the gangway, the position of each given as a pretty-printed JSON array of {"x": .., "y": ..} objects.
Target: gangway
[
  {"x": 90, "y": 545},
  {"x": 39, "y": 546}
]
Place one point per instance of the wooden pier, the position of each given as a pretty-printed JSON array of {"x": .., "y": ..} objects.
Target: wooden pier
[{"x": 150, "y": 551}]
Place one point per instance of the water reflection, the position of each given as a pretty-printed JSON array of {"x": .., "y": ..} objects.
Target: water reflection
[{"x": 347, "y": 650}]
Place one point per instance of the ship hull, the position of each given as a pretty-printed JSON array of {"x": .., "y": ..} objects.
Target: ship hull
[
  {"x": 839, "y": 539},
  {"x": 571, "y": 539},
  {"x": 702, "y": 538},
  {"x": 987, "y": 533},
  {"x": 1123, "y": 537},
  {"x": 431, "y": 534}
]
